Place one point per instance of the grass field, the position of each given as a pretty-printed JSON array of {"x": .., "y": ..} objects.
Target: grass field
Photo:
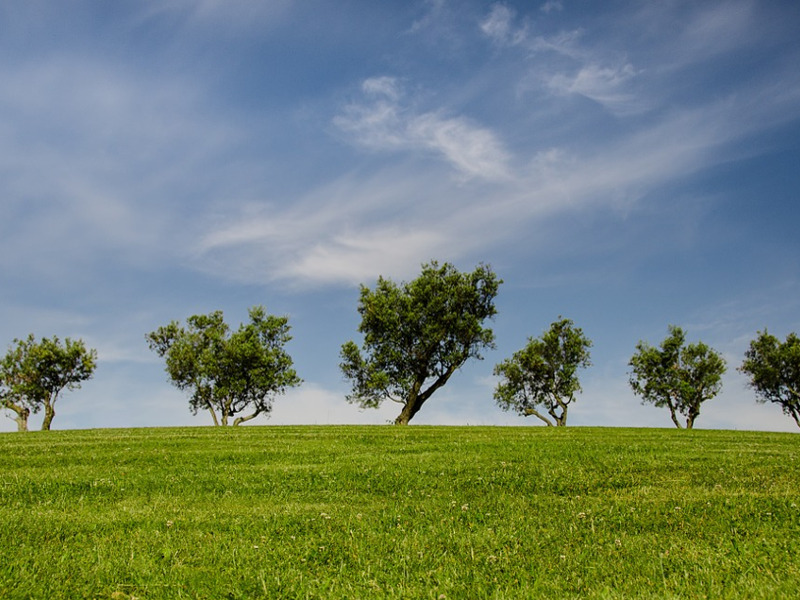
[{"x": 389, "y": 512}]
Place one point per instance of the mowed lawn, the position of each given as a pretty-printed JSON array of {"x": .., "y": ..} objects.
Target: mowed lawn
[{"x": 391, "y": 512}]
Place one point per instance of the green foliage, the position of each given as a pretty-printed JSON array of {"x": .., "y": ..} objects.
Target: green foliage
[
  {"x": 34, "y": 373},
  {"x": 377, "y": 512},
  {"x": 544, "y": 373},
  {"x": 774, "y": 370},
  {"x": 228, "y": 373},
  {"x": 677, "y": 376},
  {"x": 417, "y": 334}
]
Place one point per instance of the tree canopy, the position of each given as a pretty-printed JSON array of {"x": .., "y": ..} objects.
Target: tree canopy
[
  {"x": 680, "y": 377},
  {"x": 544, "y": 373},
  {"x": 417, "y": 334},
  {"x": 228, "y": 373},
  {"x": 34, "y": 373},
  {"x": 774, "y": 370}
]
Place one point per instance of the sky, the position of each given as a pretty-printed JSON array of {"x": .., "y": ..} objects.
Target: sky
[{"x": 627, "y": 165}]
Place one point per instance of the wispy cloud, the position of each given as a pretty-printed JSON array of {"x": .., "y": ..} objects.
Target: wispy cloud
[
  {"x": 383, "y": 122},
  {"x": 498, "y": 25},
  {"x": 587, "y": 72},
  {"x": 604, "y": 85},
  {"x": 551, "y": 6},
  {"x": 345, "y": 232}
]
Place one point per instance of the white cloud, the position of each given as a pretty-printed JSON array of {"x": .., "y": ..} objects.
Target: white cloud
[
  {"x": 497, "y": 24},
  {"x": 607, "y": 86},
  {"x": 551, "y": 6},
  {"x": 347, "y": 231},
  {"x": 358, "y": 257},
  {"x": 386, "y": 124},
  {"x": 382, "y": 86},
  {"x": 564, "y": 43},
  {"x": 433, "y": 12},
  {"x": 312, "y": 404},
  {"x": 475, "y": 151}
]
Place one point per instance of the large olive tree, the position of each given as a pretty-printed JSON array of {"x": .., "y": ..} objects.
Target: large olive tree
[
  {"x": 416, "y": 335},
  {"x": 678, "y": 376},
  {"x": 228, "y": 373},
  {"x": 774, "y": 370},
  {"x": 34, "y": 373},
  {"x": 543, "y": 376}
]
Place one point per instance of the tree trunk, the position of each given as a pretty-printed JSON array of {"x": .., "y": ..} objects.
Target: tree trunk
[
  {"x": 49, "y": 414},
  {"x": 674, "y": 415},
  {"x": 22, "y": 418},
  {"x": 562, "y": 420},
  {"x": 213, "y": 413},
  {"x": 538, "y": 415},
  {"x": 410, "y": 408},
  {"x": 21, "y": 411},
  {"x": 240, "y": 420},
  {"x": 416, "y": 400},
  {"x": 694, "y": 412}
]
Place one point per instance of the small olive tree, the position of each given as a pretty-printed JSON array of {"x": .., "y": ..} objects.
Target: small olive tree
[
  {"x": 543, "y": 375},
  {"x": 34, "y": 373},
  {"x": 228, "y": 373},
  {"x": 680, "y": 377},
  {"x": 417, "y": 334},
  {"x": 774, "y": 370}
]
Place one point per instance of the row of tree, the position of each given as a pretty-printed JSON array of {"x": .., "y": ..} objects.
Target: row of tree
[{"x": 415, "y": 336}]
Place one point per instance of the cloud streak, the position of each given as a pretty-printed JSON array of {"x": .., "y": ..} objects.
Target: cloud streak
[{"x": 382, "y": 122}]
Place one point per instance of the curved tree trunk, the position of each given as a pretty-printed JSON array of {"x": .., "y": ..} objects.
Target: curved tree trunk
[
  {"x": 240, "y": 420},
  {"x": 538, "y": 415},
  {"x": 416, "y": 400},
  {"x": 22, "y": 414},
  {"x": 410, "y": 408}
]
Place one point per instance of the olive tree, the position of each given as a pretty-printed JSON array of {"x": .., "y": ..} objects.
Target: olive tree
[
  {"x": 678, "y": 376},
  {"x": 774, "y": 370},
  {"x": 417, "y": 334},
  {"x": 33, "y": 374},
  {"x": 544, "y": 373},
  {"x": 228, "y": 373}
]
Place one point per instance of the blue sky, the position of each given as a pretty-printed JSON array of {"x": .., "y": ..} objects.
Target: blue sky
[{"x": 628, "y": 165}]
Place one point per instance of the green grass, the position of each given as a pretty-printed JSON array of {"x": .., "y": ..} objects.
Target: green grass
[{"x": 388, "y": 512}]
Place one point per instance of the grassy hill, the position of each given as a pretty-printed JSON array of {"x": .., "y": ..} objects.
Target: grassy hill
[{"x": 383, "y": 512}]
